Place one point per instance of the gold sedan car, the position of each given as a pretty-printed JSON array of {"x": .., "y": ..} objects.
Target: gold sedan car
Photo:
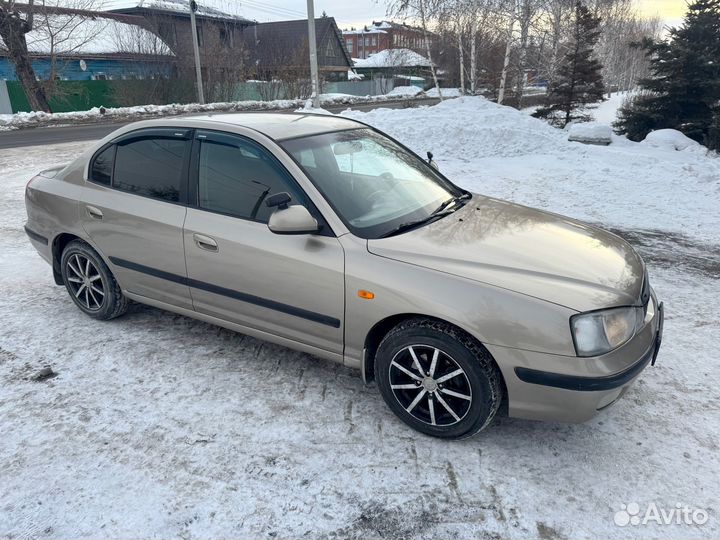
[{"x": 324, "y": 235}]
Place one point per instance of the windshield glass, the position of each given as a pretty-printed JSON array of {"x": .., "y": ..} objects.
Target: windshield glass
[{"x": 372, "y": 183}]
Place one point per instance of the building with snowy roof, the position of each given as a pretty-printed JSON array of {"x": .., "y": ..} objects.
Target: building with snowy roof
[
  {"x": 219, "y": 34},
  {"x": 68, "y": 44},
  {"x": 395, "y": 64},
  {"x": 383, "y": 35}
]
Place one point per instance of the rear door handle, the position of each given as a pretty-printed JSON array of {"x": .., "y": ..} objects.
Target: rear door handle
[
  {"x": 93, "y": 212},
  {"x": 205, "y": 242}
]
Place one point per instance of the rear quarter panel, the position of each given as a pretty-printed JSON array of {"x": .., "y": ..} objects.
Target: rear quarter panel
[{"x": 51, "y": 202}]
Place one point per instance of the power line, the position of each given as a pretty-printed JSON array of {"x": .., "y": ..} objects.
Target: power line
[
  {"x": 265, "y": 5},
  {"x": 258, "y": 5}
]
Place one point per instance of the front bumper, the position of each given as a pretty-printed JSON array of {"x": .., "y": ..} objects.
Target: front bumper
[{"x": 569, "y": 389}]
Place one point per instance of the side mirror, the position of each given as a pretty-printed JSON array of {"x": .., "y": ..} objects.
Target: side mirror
[
  {"x": 294, "y": 219},
  {"x": 431, "y": 162}
]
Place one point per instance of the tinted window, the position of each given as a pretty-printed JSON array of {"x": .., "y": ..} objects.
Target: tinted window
[
  {"x": 151, "y": 167},
  {"x": 235, "y": 177},
  {"x": 102, "y": 166}
]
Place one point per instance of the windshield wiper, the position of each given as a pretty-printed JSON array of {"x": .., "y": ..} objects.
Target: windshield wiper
[
  {"x": 403, "y": 227},
  {"x": 454, "y": 200},
  {"x": 440, "y": 212}
]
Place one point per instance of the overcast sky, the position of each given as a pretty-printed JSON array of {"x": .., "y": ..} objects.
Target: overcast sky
[{"x": 360, "y": 12}]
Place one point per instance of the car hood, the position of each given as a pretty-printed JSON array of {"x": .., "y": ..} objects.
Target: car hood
[{"x": 525, "y": 250}]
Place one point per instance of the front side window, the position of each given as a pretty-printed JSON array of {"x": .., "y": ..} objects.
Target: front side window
[
  {"x": 102, "y": 166},
  {"x": 151, "y": 167},
  {"x": 373, "y": 184},
  {"x": 236, "y": 176}
]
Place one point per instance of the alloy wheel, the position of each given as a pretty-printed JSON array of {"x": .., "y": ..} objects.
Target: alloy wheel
[
  {"x": 85, "y": 282},
  {"x": 430, "y": 385}
]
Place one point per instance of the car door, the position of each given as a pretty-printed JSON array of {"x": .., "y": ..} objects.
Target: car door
[
  {"x": 133, "y": 209},
  {"x": 290, "y": 286}
]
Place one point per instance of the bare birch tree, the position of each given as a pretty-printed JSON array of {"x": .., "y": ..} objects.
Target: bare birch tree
[
  {"x": 61, "y": 34},
  {"x": 14, "y": 26},
  {"x": 426, "y": 12}
]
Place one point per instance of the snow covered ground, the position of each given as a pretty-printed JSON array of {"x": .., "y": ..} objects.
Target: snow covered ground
[
  {"x": 606, "y": 112},
  {"x": 161, "y": 426}
]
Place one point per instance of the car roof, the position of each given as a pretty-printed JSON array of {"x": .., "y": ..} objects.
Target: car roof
[{"x": 279, "y": 126}]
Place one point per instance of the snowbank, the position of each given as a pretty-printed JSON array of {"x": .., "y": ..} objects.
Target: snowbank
[
  {"x": 446, "y": 92},
  {"x": 503, "y": 152},
  {"x": 405, "y": 91},
  {"x": 671, "y": 139},
  {"x": 101, "y": 114},
  {"x": 590, "y": 133}
]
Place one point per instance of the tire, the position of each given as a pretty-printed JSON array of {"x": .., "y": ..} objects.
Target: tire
[
  {"x": 463, "y": 369},
  {"x": 90, "y": 283}
]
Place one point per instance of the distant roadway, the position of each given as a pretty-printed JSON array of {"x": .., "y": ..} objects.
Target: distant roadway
[{"x": 41, "y": 136}]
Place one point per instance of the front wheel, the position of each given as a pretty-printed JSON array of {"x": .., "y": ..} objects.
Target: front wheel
[
  {"x": 90, "y": 283},
  {"x": 437, "y": 379}
]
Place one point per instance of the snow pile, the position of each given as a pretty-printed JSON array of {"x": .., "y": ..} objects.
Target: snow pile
[
  {"x": 466, "y": 128},
  {"x": 446, "y": 92},
  {"x": 392, "y": 58},
  {"x": 405, "y": 91},
  {"x": 590, "y": 133},
  {"x": 672, "y": 139},
  {"x": 309, "y": 109},
  {"x": 503, "y": 152},
  {"x": 98, "y": 114}
]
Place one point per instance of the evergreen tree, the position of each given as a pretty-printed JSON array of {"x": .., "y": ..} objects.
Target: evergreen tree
[
  {"x": 579, "y": 79},
  {"x": 683, "y": 90}
]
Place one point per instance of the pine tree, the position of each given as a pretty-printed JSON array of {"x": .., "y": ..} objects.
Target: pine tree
[
  {"x": 579, "y": 79},
  {"x": 683, "y": 90}
]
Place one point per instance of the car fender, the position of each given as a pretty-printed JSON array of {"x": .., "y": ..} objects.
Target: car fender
[{"x": 493, "y": 315}]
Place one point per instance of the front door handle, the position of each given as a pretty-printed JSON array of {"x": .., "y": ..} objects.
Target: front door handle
[
  {"x": 205, "y": 242},
  {"x": 93, "y": 212}
]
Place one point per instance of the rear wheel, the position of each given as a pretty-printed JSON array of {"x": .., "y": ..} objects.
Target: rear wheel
[
  {"x": 90, "y": 283},
  {"x": 438, "y": 379}
]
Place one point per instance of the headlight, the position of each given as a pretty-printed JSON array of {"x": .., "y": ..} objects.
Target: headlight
[{"x": 602, "y": 331}]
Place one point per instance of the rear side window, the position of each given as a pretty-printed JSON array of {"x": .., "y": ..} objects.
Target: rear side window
[
  {"x": 102, "y": 166},
  {"x": 152, "y": 167}
]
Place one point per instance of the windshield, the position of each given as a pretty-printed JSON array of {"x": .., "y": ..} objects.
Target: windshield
[{"x": 372, "y": 183}]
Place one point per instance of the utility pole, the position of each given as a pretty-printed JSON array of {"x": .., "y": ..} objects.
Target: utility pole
[
  {"x": 196, "y": 51},
  {"x": 312, "y": 41}
]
